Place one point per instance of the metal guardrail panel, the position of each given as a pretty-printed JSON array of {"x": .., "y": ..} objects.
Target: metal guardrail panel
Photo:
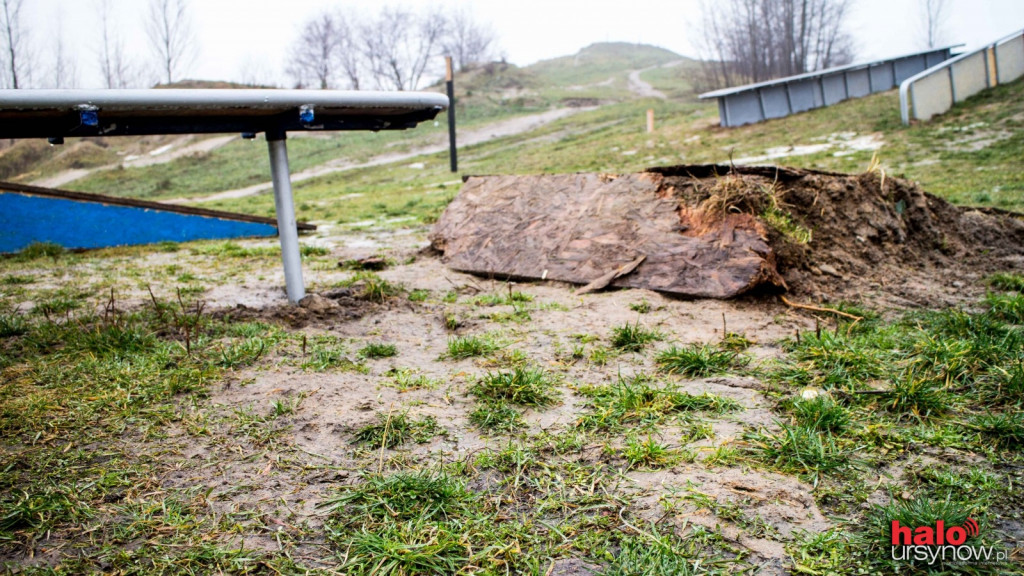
[
  {"x": 1010, "y": 59},
  {"x": 777, "y": 98},
  {"x": 937, "y": 89}
]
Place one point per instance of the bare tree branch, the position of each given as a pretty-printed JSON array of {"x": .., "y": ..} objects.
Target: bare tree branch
[
  {"x": 399, "y": 46},
  {"x": 467, "y": 41},
  {"x": 64, "y": 71},
  {"x": 116, "y": 68},
  {"x": 324, "y": 50},
  {"x": 173, "y": 40},
  {"x": 934, "y": 13},
  {"x": 15, "y": 44},
  {"x": 756, "y": 40}
]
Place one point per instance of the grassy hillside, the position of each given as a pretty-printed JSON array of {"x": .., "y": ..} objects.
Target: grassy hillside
[
  {"x": 485, "y": 94},
  {"x": 970, "y": 155},
  {"x": 598, "y": 62}
]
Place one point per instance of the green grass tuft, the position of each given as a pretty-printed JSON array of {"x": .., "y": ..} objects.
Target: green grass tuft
[
  {"x": 37, "y": 250},
  {"x": 633, "y": 337},
  {"x": 421, "y": 495},
  {"x": 461, "y": 347},
  {"x": 521, "y": 385},
  {"x": 697, "y": 360},
  {"x": 648, "y": 453},
  {"x": 395, "y": 429},
  {"x": 496, "y": 416},
  {"x": 1006, "y": 430},
  {"x": 378, "y": 350},
  {"x": 12, "y": 325},
  {"x": 634, "y": 400},
  {"x": 822, "y": 414},
  {"x": 801, "y": 450},
  {"x": 1007, "y": 281}
]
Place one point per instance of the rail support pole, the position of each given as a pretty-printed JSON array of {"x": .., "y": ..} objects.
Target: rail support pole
[
  {"x": 449, "y": 77},
  {"x": 287, "y": 230}
]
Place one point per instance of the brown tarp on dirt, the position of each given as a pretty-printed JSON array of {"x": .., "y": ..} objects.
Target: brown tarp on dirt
[{"x": 579, "y": 227}]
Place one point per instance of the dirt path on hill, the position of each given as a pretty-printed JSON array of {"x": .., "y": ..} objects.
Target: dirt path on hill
[
  {"x": 501, "y": 129},
  {"x": 180, "y": 147},
  {"x": 642, "y": 88}
]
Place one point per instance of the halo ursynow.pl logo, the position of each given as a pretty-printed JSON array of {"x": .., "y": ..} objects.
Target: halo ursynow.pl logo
[{"x": 939, "y": 543}]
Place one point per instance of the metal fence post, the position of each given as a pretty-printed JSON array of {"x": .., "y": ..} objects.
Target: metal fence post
[
  {"x": 453, "y": 153},
  {"x": 286, "y": 228}
]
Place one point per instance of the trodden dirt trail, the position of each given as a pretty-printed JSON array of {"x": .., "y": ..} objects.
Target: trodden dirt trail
[{"x": 509, "y": 127}]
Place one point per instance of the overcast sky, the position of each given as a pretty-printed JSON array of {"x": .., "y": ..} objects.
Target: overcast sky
[{"x": 247, "y": 39}]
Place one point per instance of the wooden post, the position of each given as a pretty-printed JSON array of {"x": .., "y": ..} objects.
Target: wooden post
[
  {"x": 650, "y": 120},
  {"x": 449, "y": 78}
]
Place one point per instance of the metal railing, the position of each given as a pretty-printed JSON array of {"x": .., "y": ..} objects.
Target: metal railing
[
  {"x": 938, "y": 88},
  {"x": 777, "y": 98}
]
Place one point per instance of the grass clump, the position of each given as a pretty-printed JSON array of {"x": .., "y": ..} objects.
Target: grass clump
[
  {"x": 378, "y": 350},
  {"x": 395, "y": 429},
  {"x": 658, "y": 555},
  {"x": 423, "y": 495},
  {"x": 37, "y": 250},
  {"x": 370, "y": 286},
  {"x": 461, "y": 347},
  {"x": 783, "y": 221},
  {"x": 696, "y": 360},
  {"x": 1007, "y": 281},
  {"x": 234, "y": 250},
  {"x": 17, "y": 280},
  {"x": 641, "y": 307},
  {"x": 1006, "y": 430},
  {"x": 330, "y": 354},
  {"x": 403, "y": 523},
  {"x": 633, "y": 337},
  {"x": 496, "y": 416},
  {"x": 407, "y": 380},
  {"x": 510, "y": 299},
  {"x": 12, "y": 325},
  {"x": 521, "y": 385},
  {"x": 821, "y": 413},
  {"x": 648, "y": 453},
  {"x": 916, "y": 394},
  {"x": 801, "y": 450},
  {"x": 875, "y": 538},
  {"x": 1006, "y": 307},
  {"x": 636, "y": 401}
]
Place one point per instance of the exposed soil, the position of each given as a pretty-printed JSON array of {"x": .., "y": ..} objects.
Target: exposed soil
[
  {"x": 717, "y": 231},
  {"x": 869, "y": 232}
]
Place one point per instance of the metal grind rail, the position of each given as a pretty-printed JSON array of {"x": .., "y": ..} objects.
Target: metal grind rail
[
  {"x": 59, "y": 114},
  {"x": 762, "y": 101}
]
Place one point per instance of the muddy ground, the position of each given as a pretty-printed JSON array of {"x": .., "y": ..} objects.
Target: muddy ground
[{"x": 276, "y": 486}]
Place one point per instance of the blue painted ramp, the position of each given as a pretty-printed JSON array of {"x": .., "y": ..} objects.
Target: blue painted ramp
[{"x": 76, "y": 220}]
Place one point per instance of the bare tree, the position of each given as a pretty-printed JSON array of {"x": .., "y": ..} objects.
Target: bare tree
[
  {"x": 756, "y": 40},
  {"x": 325, "y": 48},
  {"x": 116, "y": 68},
  {"x": 170, "y": 32},
  {"x": 349, "y": 56},
  {"x": 15, "y": 44},
  {"x": 255, "y": 72},
  {"x": 467, "y": 41},
  {"x": 934, "y": 14},
  {"x": 399, "y": 46},
  {"x": 63, "y": 71}
]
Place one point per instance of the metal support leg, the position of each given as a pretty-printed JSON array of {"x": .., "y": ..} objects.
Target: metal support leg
[{"x": 286, "y": 228}]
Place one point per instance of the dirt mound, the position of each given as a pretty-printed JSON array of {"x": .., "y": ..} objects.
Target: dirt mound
[
  {"x": 712, "y": 231},
  {"x": 834, "y": 234},
  {"x": 317, "y": 310}
]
